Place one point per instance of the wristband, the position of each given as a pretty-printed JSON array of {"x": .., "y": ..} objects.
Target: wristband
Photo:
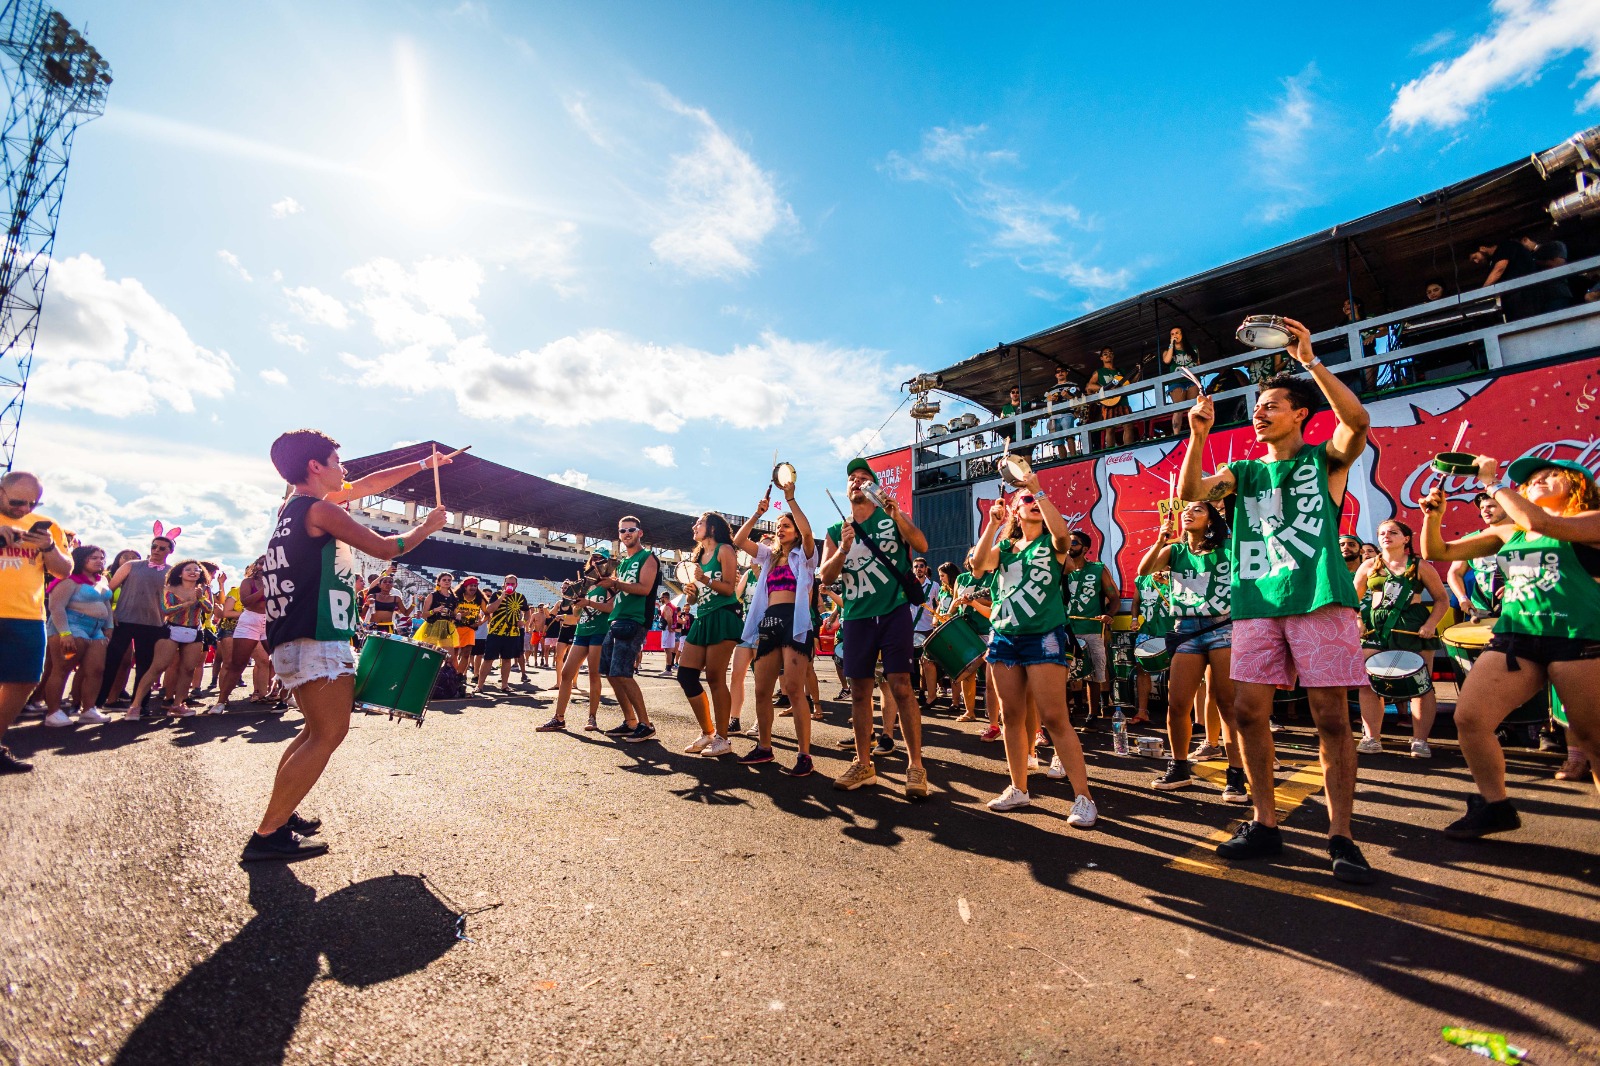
[
  {"x": 1041, "y": 495},
  {"x": 65, "y": 633},
  {"x": 400, "y": 542}
]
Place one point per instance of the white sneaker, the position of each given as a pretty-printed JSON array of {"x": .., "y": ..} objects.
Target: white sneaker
[
  {"x": 57, "y": 719},
  {"x": 1009, "y": 800},
  {"x": 92, "y": 716},
  {"x": 1370, "y": 746},
  {"x": 753, "y": 731},
  {"x": 1033, "y": 763},
  {"x": 1084, "y": 813},
  {"x": 700, "y": 744},
  {"x": 720, "y": 746},
  {"x": 1056, "y": 770},
  {"x": 1420, "y": 749}
]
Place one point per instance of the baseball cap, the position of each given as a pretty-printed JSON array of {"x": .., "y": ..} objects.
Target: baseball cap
[
  {"x": 1529, "y": 465},
  {"x": 602, "y": 551},
  {"x": 861, "y": 465}
]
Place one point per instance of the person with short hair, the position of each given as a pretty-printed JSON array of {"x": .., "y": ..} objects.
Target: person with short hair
[
  {"x": 1091, "y": 596},
  {"x": 507, "y": 613},
  {"x": 1488, "y": 583},
  {"x": 1106, "y": 377},
  {"x": 1292, "y": 601},
  {"x": 139, "y": 622},
  {"x": 33, "y": 549},
  {"x": 924, "y": 671},
  {"x": 631, "y": 585},
  {"x": 311, "y": 616},
  {"x": 1350, "y": 552}
]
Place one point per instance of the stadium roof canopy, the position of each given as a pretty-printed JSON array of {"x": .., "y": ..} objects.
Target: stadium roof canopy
[
  {"x": 479, "y": 487},
  {"x": 1384, "y": 259}
]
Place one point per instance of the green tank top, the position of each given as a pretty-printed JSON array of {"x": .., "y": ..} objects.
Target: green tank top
[
  {"x": 591, "y": 623},
  {"x": 1485, "y": 576},
  {"x": 1549, "y": 592},
  {"x": 629, "y": 606},
  {"x": 1081, "y": 590},
  {"x": 1027, "y": 589},
  {"x": 1201, "y": 582},
  {"x": 710, "y": 570},
  {"x": 1286, "y": 538},
  {"x": 870, "y": 591},
  {"x": 1155, "y": 606}
]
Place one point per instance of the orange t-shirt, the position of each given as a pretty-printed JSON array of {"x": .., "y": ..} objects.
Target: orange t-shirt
[{"x": 22, "y": 573}]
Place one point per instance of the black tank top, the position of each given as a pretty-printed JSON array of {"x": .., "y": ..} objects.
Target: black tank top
[{"x": 307, "y": 581}]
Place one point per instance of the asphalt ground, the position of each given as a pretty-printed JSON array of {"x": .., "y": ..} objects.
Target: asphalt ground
[{"x": 628, "y": 903}]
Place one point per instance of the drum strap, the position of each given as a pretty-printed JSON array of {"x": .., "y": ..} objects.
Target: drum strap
[
  {"x": 915, "y": 594},
  {"x": 1384, "y": 619}
]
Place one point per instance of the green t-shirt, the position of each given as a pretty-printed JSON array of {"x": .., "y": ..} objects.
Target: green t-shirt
[
  {"x": 1108, "y": 379},
  {"x": 1155, "y": 608},
  {"x": 1081, "y": 590},
  {"x": 1008, "y": 410},
  {"x": 1027, "y": 589},
  {"x": 1200, "y": 582},
  {"x": 629, "y": 606},
  {"x": 1549, "y": 592},
  {"x": 591, "y": 622},
  {"x": 870, "y": 591},
  {"x": 1286, "y": 538},
  {"x": 711, "y": 570},
  {"x": 1485, "y": 577}
]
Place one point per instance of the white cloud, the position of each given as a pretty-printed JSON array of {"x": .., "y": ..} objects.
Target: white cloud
[
  {"x": 1278, "y": 141},
  {"x": 546, "y": 255},
  {"x": 720, "y": 204},
  {"x": 1435, "y": 43},
  {"x": 233, "y": 261},
  {"x": 577, "y": 105},
  {"x": 110, "y": 347},
  {"x": 661, "y": 455},
  {"x": 414, "y": 307},
  {"x": 283, "y": 335},
  {"x": 275, "y": 377},
  {"x": 317, "y": 307},
  {"x": 1023, "y": 226},
  {"x": 1524, "y": 37},
  {"x": 286, "y": 207},
  {"x": 576, "y": 478}
]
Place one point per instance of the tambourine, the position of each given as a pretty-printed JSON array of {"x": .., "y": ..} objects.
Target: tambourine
[
  {"x": 1014, "y": 470},
  {"x": 1264, "y": 331},
  {"x": 783, "y": 476},
  {"x": 1462, "y": 463},
  {"x": 686, "y": 570}
]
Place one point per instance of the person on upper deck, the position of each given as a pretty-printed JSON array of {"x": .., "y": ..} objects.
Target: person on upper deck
[{"x": 1109, "y": 377}]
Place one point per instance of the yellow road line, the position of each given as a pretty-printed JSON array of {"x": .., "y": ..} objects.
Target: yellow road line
[{"x": 1293, "y": 791}]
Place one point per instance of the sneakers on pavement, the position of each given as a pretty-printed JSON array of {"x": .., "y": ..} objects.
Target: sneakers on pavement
[
  {"x": 10, "y": 764},
  {"x": 620, "y": 729},
  {"x": 1009, "y": 800},
  {"x": 1483, "y": 818},
  {"x": 755, "y": 756},
  {"x": 1252, "y": 840},
  {"x": 719, "y": 746},
  {"x": 1177, "y": 776},
  {"x": 304, "y": 826},
  {"x": 992, "y": 733},
  {"x": 753, "y": 731},
  {"x": 735, "y": 726},
  {"x": 916, "y": 783},
  {"x": 58, "y": 719},
  {"x": 1348, "y": 864},
  {"x": 701, "y": 743},
  {"x": 1056, "y": 771},
  {"x": 283, "y": 845},
  {"x": 591, "y": 726},
  {"x": 642, "y": 733},
  {"x": 885, "y": 744},
  {"x": 1369, "y": 746},
  {"x": 859, "y": 774},
  {"x": 1207, "y": 751},
  {"x": 1084, "y": 813},
  {"x": 802, "y": 766},
  {"x": 92, "y": 716},
  {"x": 1420, "y": 749},
  {"x": 1234, "y": 790},
  {"x": 1041, "y": 739},
  {"x": 1033, "y": 763},
  {"x": 554, "y": 725}
]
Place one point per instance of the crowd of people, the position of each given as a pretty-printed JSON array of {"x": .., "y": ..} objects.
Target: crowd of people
[{"x": 1248, "y": 590}]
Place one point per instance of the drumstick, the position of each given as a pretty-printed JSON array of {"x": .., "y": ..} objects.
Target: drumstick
[
  {"x": 458, "y": 451},
  {"x": 1461, "y": 435},
  {"x": 1186, "y": 372},
  {"x": 434, "y": 454}
]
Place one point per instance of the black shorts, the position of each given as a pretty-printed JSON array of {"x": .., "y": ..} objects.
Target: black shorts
[
  {"x": 1542, "y": 650},
  {"x": 886, "y": 636},
  {"x": 501, "y": 647},
  {"x": 776, "y": 632},
  {"x": 564, "y": 634}
]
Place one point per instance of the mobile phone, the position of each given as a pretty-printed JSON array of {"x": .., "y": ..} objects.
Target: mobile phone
[{"x": 41, "y": 526}]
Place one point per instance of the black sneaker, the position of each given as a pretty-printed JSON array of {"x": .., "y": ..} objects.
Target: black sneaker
[
  {"x": 644, "y": 732},
  {"x": 782, "y": 701},
  {"x": 1252, "y": 840},
  {"x": 735, "y": 726},
  {"x": 304, "y": 826},
  {"x": 755, "y": 756},
  {"x": 10, "y": 764},
  {"x": 1483, "y": 818},
  {"x": 802, "y": 766},
  {"x": 284, "y": 845},
  {"x": 554, "y": 725},
  {"x": 1234, "y": 788},
  {"x": 1348, "y": 864},
  {"x": 848, "y": 741},
  {"x": 622, "y": 728},
  {"x": 885, "y": 744},
  {"x": 1177, "y": 776}
]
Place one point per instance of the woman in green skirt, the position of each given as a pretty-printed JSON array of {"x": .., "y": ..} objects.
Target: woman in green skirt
[{"x": 709, "y": 644}]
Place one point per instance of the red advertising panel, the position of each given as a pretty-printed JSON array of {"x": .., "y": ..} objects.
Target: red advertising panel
[{"x": 894, "y": 474}]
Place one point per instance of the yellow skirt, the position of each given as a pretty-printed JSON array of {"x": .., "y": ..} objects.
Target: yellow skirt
[{"x": 441, "y": 632}]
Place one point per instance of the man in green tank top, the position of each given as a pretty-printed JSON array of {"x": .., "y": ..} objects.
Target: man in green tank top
[
  {"x": 1294, "y": 605},
  {"x": 631, "y": 585},
  {"x": 1488, "y": 583},
  {"x": 877, "y": 621},
  {"x": 1091, "y": 595}
]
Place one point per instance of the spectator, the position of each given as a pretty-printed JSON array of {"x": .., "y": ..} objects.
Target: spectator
[
  {"x": 185, "y": 602},
  {"x": 32, "y": 547},
  {"x": 1433, "y": 290},
  {"x": 1180, "y": 355},
  {"x": 1509, "y": 260},
  {"x": 1104, "y": 378},
  {"x": 80, "y": 619},
  {"x": 1546, "y": 254},
  {"x": 138, "y": 618}
]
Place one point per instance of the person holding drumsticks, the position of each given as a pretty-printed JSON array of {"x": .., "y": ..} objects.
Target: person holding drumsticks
[
  {"x": 311, "y": 616},
  {"x": 713, "y": 635},
  {"x": 1291, "y": 598},
  {"x": 780, "y": 622},
  {"x": 1549, "y": 627},
  {"x": 1028, "y": 646},
  {"x": 1394, "y": 618}
]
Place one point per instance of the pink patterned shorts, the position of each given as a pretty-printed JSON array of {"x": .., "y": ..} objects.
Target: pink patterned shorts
[{"x": 1323, "y": 648}]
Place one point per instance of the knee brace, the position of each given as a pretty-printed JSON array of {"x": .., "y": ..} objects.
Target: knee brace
[{"x": 689, "y": 681}]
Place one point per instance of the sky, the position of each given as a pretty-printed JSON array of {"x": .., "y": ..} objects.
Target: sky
[{"x": 641, "y": 248}]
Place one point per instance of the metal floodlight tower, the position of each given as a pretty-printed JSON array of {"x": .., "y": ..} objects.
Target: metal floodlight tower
[{"x": 54, "y": 81}]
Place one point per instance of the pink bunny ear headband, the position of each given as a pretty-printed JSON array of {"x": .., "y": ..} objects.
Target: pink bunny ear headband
[{"x": 169, "y": 534}]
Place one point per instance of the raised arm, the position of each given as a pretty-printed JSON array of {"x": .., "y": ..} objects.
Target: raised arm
[
  {"x": 1441, "y": 599},
  {"x": 1582, "y": 528},
  {"x": 324, "y": 517},
  {"x": 1350, "y": 435},
  {"x": 913, "y": 536},
  {"x": 741, "y": 539},
  {"x": 1057, "y": 525},
  {"x": 1471, "y": 546},
  {"x": 808, "y": 541},
  {"x": 833, "y": 555},
  {"x": 1193, "y": 484},
  {"x": 1159, "y": 557},
  {"x": 382, "y": 480},
  {"x": 984, "y": 556}
]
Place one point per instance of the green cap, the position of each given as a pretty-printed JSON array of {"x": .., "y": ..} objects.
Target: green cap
[
  {"x": 602, "y": 551},
  {"x": 863, "y": 466},
  {"x": 1529, "y": 465}
]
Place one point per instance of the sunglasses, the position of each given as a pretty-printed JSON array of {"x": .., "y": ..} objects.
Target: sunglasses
[
  {"x": 1026, "y": 497},
  {"x": 29, "y": 504},
  {"x": 627, "y": 529}
]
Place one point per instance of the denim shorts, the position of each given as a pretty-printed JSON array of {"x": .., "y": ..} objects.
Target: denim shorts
[
  {"x": 300, "y": 662},
  {"x": 589, "y": 640},
  {"x": 22, "y": 642},
  {"x": 1221, "y": 637},
  {"x": 617, "y": 657},
  {"x": 1029, "y": 649}
]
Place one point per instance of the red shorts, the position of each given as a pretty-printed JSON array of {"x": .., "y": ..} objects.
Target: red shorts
[{"x": 1322, "y": 648}]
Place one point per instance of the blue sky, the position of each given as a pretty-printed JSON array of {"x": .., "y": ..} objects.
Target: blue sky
[{"x": 640, "y": 247}]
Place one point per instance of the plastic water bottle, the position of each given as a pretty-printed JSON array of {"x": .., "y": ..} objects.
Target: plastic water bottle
[{"x": 1119, "y": 733}]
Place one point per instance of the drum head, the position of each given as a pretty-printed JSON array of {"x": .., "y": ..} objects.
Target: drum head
[
  {"x": 1469, "y": 636},
  {"x": 686, "y": 571},
  {"x": 1014, "y": 469},
  {"x": 1396, "y": 664},
  {"x": 783, "y": 475},
  {"x": 1264, "y": 331}
]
